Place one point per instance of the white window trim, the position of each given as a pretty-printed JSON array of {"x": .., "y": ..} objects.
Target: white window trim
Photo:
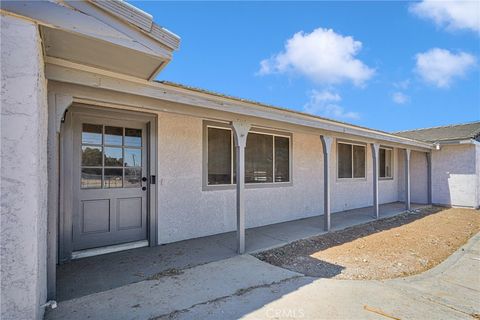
[
  {"x": 352, "y": 144},
  {"x": 392, "y": 164},
  {"x": 251, "y": 185}
]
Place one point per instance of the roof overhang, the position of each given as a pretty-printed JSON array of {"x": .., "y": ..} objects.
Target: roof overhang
[
  {"x": 71, "y": 73},
  {"x": 113, "y": 35},
  {"x": 439, "y": 144}
]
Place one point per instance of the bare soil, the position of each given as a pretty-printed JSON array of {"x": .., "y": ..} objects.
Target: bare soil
[{"x": 395, "y": 247}]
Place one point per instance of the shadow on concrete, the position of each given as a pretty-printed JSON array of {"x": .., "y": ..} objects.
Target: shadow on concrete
[{"x": 85, "y": 276}]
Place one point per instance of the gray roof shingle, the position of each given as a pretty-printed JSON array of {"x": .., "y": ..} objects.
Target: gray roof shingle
[{"x": 453, "y": 132}]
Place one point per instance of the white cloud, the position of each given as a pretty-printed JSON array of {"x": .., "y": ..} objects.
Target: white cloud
[
  {"x": 440, "y": 67},
  {"x": 400, "y": 98},
  {"x": 325, "y": 103},
  {"x": 402, "y": 84},
  {"x": 453, "y": 15},
  {"x": 323, "y": 56}
]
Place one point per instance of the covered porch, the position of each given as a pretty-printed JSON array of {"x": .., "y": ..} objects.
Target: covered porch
[{"x": 86, "y": 276}]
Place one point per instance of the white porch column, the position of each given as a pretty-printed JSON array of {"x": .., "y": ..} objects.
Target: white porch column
[
  {"x": 429, "y": 176},
  {"x": 327, "y": 142},
  {"x": 376, "y": 166},
  {"x": 240, "y": 129},
  {"x": 407, "y": 179}
]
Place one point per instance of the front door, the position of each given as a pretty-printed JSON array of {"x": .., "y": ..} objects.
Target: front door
[{"x": 109, "y": 181}]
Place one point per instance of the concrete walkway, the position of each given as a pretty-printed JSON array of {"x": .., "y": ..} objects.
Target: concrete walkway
[
  {"x": 244, "y": 287},
  {"x": 449, "y": 291},
  {"x": 96, "y": 274}
]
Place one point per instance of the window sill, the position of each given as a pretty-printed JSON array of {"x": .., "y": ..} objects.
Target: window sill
[
  {"x": 247, "y": 186},
  {"x": 341, "y": 180},
  {"x": 385, "y": 179}
]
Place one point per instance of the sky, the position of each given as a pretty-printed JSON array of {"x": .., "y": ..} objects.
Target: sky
[{"x": 386, "y": 65}]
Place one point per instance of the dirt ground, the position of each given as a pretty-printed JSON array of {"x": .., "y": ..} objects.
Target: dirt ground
[{"x": 400, "y": 246}]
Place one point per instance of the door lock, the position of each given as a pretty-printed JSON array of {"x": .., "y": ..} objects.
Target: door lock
[{"x": 144, "y": 179}]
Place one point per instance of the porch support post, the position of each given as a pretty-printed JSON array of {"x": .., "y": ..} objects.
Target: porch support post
[
  {"x": 376, "y": 166},
  {"x": 407, "y": 179},
  {"x": 57, "y": 105},
  {"x": 327, "y": 142},
  {"x": 240, "y": 129},
  {"x": 429, "y": 176}
]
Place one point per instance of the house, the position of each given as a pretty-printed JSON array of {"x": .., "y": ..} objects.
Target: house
[
  {"x": 97, "y": 156},
  {"x": 455, "y": 163}
]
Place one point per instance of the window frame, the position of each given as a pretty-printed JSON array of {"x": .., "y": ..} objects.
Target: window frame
[
  {"x": 392, "y": 164},
  {"x": 352, "y": 143},
  {"x": 226, "y": 126}
]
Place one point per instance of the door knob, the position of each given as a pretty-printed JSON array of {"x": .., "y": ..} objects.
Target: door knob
[{"x": 144, "y": 188}]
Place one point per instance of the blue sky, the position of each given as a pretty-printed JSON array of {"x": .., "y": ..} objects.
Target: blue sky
[{"x": 385, "y": 65}]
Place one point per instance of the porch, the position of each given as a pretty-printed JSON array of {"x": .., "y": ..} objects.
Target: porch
[{"x": 100, "y": 273}]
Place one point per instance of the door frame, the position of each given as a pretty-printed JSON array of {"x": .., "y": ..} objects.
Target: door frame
[{"x": 65, "y": 226}]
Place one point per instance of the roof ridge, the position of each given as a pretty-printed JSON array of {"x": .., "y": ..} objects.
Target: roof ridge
[{"x": 438, "y": 127}]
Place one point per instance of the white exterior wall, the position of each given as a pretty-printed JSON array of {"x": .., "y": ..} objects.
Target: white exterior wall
[
  {"x": 454, "y": 175},
  {"x": 186, "y": 211},
  {"x": 418, "y": 177},
  {"x": 23, "y": 171}
]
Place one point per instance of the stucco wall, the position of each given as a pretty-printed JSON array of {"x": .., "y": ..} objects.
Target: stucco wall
[
  {"x": 477, "y": 163},
  {"x": 418, "y": 177},
  {"x": 23, "y": 171},
  {"x": 454, "y": 179},
  {"x": 186, "y": 211}
]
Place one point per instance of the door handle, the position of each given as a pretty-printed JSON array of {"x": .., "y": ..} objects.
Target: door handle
[{"x": 144, "y": 188}]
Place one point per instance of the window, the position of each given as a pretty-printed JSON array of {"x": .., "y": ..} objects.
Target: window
[
  {"x": 111, "y": 157},
  {"x": 386, "y": 163},
  {"x": 267, "y": 157},
  {"x": 350, "y": 160}
]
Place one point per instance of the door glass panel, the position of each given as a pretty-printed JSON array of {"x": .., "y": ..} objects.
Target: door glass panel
[
  {"x": 91, "y": 178},
  {"x": 91, "y": 133},
  {"x": 113, "y": 135},
  {"x": 133, "y": 137},
  {"x": 113, "y": 178},
  {"x": 133, "y": 157},
  {"x": 91, "y": 156},
  {"x": 133, "y": 177},
  {"x": 121, "y": 149},
  {"x": 113, "y": 157}
]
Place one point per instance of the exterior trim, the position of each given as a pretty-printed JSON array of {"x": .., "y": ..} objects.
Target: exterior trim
[{"x": 60, "y": 70}]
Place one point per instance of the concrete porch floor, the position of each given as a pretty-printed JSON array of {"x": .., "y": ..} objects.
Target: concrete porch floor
[{"x": 96, "y": 274}]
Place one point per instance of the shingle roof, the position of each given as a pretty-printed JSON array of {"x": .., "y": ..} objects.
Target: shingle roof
[{"x": 453, "y": 132}]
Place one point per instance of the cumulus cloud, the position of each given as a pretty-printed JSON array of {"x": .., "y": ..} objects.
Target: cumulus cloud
[
  {"x": 400, "y": 98},
  {"x": 453, "y": 15},
  {"x": 323, "y": 56},
  {"x": 440, "y": 67},
  {"x": 326, "y": 103}
]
